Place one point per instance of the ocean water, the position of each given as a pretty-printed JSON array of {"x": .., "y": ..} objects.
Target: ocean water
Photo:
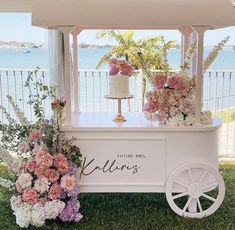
[
  {"x": 88, "y": 58},
  {"x": 216, "y": 89}
]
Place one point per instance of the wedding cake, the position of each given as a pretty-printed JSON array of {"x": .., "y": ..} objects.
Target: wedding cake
[{"x": 119, "y": 86}]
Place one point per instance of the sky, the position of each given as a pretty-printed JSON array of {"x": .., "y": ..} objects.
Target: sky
[{"x": 17, "y": 27}]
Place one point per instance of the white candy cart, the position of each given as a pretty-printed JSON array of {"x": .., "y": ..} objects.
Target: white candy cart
[{"x": 139, "y": 156}]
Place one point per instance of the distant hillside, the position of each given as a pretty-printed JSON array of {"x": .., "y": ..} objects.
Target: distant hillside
[{"x": 14, "y": 44}]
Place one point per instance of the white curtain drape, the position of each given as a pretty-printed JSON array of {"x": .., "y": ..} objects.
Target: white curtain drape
[{"x": 56, "y": 64}]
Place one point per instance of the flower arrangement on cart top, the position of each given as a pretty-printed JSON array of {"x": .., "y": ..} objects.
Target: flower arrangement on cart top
[
  {"x": 45, "y": 168},
  {"x": 172, "y": 98}
]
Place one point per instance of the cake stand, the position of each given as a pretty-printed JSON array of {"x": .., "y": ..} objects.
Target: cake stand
[{"x": 119, "y": 117}]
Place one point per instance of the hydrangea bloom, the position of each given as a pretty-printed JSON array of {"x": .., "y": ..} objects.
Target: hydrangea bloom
[
  {"x": 42, "y": 185},
  {"x": 38, "y": 215},
  {"x": 70, "y": 212},
  {"x": 53, "y": 209},
  {"x": 23, "y": 215},
  {"x": 24, "y": 180}
]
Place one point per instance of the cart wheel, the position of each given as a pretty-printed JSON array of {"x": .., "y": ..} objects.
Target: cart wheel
[{"x": 195, "y": 190}]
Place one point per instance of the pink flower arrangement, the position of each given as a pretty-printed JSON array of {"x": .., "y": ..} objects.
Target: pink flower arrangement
[
  {"x": 171, "y": 100},
  {"x": 47, "y": 187},
  {"x": 120, "y": 67}
]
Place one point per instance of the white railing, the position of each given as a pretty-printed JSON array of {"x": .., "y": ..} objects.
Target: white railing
[{"x": 219, "y": 96}]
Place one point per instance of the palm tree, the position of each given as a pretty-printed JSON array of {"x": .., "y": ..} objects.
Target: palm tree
[{"x": 146, "y": 54}]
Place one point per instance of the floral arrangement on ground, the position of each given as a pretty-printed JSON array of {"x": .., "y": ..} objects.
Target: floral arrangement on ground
[
  {"x": 46, "y": 162},
  {"x": 172, "y": 98}
]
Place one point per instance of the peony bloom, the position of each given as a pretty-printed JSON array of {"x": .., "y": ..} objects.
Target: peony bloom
[
  {"x": 30, "y": 196},
  {"x": 68, "y": 182},
  {"x": 52, "y": 175},
  {"x": 24, "y": 181},
  {"x": 54, "y": 192},
  {"x": 151, "y": 106},
  {"x": 113, "y": 71},
  {"x": 126, "y": 69},
  {"x": 39, "y": 154},
  {"x": 35, "y": 135},
  {"x": 42, "y": 185},
  {"x": 186, "y": 106},
  {"x": 61, "y": 163},
  {"x": 162, "y": 118},
  {"x": 176, "y": 81},
  {"x": 159, "y": 80},
  {"x": 31, "y": 165},
  {"x": 46, "y": 160},
  {"x": 39, "y": 171}
]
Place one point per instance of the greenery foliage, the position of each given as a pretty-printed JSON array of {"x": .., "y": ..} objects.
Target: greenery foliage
[
  {"x": 146, "y": 54},
  {"x": 17, "y": 130}
]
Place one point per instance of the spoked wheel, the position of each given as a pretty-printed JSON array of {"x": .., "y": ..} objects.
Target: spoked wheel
[{"x": 195, "y": 190}]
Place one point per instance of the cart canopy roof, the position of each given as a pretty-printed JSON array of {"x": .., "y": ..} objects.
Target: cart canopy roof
[{"x": 133, "y": 14}]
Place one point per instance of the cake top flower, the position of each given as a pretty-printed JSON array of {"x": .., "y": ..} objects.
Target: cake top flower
[{"x": 120, "y": 67}]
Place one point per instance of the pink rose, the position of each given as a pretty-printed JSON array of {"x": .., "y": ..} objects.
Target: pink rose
[
  {"x": 54, "y": 192},
  {"x": 151, "y": 106},
  {"x": 39, "y": 154},
  {"x": 46, "y": 160},
  {"x": 68, "y": 182},
  {"x": 35, "y": 135},
  {"x": 52, "y": 175},
  {"x": 39, "y": 171},
  {"x": 61, "y": 163},
  {"x": 159, "y": 80},
  {"x": 113, "y": 71},
  {"x": 30, "y": 196},
  {"x": 31, "y": 165},
  {"x": 126, "y": 69},
  {"x": 176, "y": 81}
]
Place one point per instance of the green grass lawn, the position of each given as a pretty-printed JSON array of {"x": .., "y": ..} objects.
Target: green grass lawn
[{"x": 135, "y": 211}]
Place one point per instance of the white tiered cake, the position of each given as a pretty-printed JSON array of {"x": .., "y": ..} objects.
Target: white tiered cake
[{"x": 119, "y": 86}]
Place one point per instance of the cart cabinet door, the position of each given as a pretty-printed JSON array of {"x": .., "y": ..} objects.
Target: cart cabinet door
[{"x": 118, "y": 164}]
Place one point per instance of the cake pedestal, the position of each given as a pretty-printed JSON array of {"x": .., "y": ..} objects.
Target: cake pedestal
[{"x": 119, "y": 117}]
